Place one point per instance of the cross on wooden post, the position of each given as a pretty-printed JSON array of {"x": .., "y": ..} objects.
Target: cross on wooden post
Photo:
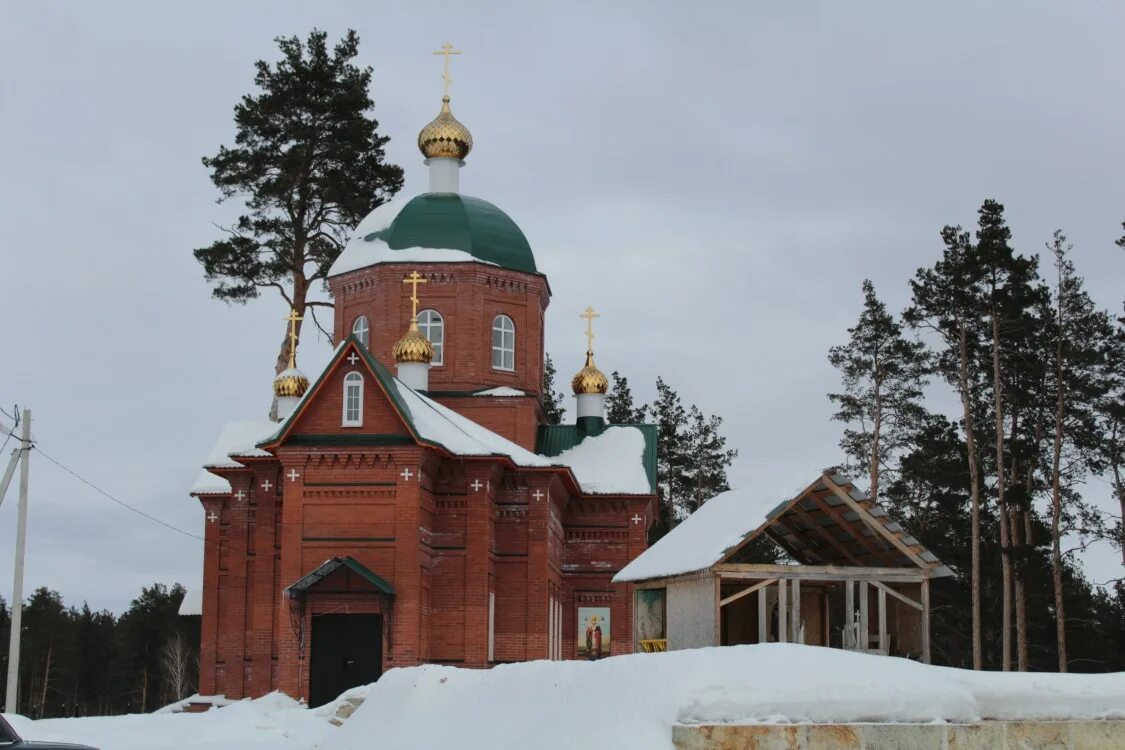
[
  {"x": 445, "y": 51},
  {"x": 352, "y": 359},
  {"x": 212, "y": 517},
  {"x": 406, "y": 474},
  {"x": 266, "y": 485},
  {"x": 589, "y": 315},
  {"x": 414, "y": 279},
  {"x": 292, "y": 475},
  {"x": 240, "y": 495},
  {"x": 476, "y": 485},
  {"x": 636, "y": 519},
  {"x": 293, "y": 318},
  {"x": 538, "y": 495}
]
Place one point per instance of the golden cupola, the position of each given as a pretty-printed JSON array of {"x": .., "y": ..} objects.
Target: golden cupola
[
  {"x": 445, "y": 136},
  {"x": 413, "y": 348},
  {"x": 589, "y": 380},
  {"x": 290, "y": 384}
]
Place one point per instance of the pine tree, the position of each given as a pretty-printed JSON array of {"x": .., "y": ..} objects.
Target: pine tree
[
  {"x": 883, "y": 376},
  {"x": 1111, "y": 412},
  {"x": 308, "y": 164},
  {"x": 944, "y": 302},
  {"x": 553, "y": 408},
  {"x": 671, "y": 457},
  {"x": 708, "y": 460},
  {"x": 620, "y": 408}
]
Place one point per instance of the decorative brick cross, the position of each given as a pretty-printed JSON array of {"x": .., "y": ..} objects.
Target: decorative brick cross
[
  {"x": 352, "y": 358},
  {"x": 476, "y": 485},
  {"x": 212, "y": 517},
  {"x": 538, "y": 495},
  {"x": 636, "y": 519},
  {"x": 240, "y": 495},
  {"x": 266, "y": 485},
  {"x": 406, "y": 474},
  {"x": 293, "y": 475}
]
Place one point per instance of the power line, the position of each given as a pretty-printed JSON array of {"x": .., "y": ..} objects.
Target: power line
[{"x": 105, "y": 494}]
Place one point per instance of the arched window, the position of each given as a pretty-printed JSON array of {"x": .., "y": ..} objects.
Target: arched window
[
  {"x": 433, "y": 328},
  {"x": 353, "y": 400},
  {"x": 362, "y": 331},
  {"x": 503, "y": 343}
]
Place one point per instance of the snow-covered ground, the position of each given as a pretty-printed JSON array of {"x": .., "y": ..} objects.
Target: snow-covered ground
[{"x": 625, "y": 702}]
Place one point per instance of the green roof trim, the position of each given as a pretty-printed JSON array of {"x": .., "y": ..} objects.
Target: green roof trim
[
  {"x": 459, "y": 222},
  {"x": 554, "y": 439},
  {"x": 300, "y": 587}
]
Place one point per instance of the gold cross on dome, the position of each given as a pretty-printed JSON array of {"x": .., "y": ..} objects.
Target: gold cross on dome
[
  {"x": 293, "y": 317},
  {"x": 414, "y": 279},
  {"x": 445, "y": 51},
  {"x": 589, "y": 316}
]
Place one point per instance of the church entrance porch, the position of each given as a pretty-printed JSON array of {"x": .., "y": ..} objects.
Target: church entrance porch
[{"x": 347, "y": 651}]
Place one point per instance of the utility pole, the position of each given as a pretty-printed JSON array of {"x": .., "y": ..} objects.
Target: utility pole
[{"x": 11, "y": 704}]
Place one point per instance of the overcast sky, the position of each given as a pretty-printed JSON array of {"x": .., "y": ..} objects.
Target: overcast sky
[{"x": 711, "y": 177}]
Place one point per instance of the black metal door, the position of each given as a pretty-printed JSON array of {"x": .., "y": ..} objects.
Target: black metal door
[{"x": 347, "y": 651}]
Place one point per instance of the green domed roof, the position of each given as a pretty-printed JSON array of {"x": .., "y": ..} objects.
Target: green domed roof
[{"x": 459, "y": 222}]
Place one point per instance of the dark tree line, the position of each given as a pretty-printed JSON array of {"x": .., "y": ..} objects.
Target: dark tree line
[
  {"x": 79, "y": 662},
  {"x": 998, "y": 490}
]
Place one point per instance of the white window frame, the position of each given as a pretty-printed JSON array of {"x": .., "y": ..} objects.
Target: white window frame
[
  {"x": 498, "y": 326},
  {"x": 427, "y": 327},
  {"x": 364, "y": 336},
  {"x": 353, "y": 380}
]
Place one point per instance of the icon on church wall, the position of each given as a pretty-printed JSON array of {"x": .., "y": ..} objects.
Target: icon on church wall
[
  {"x": 649, "y": 619},
  {"x": 593, "y": 632}
]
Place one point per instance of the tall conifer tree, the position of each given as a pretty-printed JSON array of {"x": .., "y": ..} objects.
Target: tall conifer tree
[
  {"x": 308, "y": 164},
  {"x": 619, "y": 405},
  {"x": 553, "y": 407}
]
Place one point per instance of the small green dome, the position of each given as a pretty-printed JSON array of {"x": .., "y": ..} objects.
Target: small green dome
[{"x": 459, "y": 222}]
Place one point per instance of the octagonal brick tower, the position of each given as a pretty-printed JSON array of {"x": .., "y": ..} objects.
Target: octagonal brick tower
[{"x": 483, "y": 301}]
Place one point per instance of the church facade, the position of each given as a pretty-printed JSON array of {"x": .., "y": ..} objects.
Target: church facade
[{"x": 427, "y": 514}]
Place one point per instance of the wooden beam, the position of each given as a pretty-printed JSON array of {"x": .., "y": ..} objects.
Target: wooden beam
[
  {"x": 842, "y": 523},
  {"x": 782, "y": 606},
  {"x": 901, "y": 597},
  {"x": 825, "y": 634},
  {"x": 745, "y": 571},
  {"x": 823, "y": 532},
  {"x": 883, "y": 620},
  {"x": 926, "y": 621},
  {"x": 746, "y": 592},
  {"x": 765, "y": 524},
  {"x": 796, "y": 597},
  {"x": 800, "y": 554},
  {"x": 849, "y": 612},
  {"x": 871, "y": 521},
  {"x": 763, "y": 625},
  {"x": 864, "y": 623}
]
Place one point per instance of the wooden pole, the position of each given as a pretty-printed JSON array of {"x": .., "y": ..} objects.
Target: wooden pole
[
  {"x": 864, "y": 627},
  {"x": 796, "y": 596},
  {"x": 883, "y": 622},
  {"x": 11, "y": 699},
  {"x": 926, "y": 621},
  {"x": 15, "y": 459},
  {"x": 763, "y": 625},
  {"x": 849, "y": 613},
  {"x": 782, "y": 612}
]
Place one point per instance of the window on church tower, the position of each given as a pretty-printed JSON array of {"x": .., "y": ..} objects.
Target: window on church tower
[
  {"x": 362, "y": 330},
  {"x": 503, "y": 343},
  {"x": 353, "y": 400},
  {"x": 432, "y": 326}
]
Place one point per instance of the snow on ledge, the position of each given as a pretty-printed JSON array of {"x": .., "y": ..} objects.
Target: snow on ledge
[
  {"x": 611, "y": 463},
  {"x": 502, "y": 390}
]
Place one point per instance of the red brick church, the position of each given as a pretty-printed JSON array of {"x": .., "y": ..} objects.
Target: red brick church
[{"x": 412, "y": 505}]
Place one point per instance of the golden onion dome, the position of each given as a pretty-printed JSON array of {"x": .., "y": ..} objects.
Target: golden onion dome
[
  {"x": 290, "y": 383},
  {"x": 445, "y": 136},
  {"x": 589, "y": 379},
  {"x": 413, "y": 347}
]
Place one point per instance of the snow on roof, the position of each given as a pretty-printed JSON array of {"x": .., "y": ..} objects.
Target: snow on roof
[
  {"x": 192, "y": 603},
  {"x": 235, "y": 439},
  {"x": 702, "y": 538},
  {"x": 610, "y": 463},
  {"x": 502, "y": 390},
  {"x": 460, "y": 435}
]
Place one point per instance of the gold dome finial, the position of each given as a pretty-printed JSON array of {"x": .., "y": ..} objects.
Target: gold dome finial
[
  {"x": 589, "y": 379},
  {"x": 413, "y": 347},
  {"x": 291, "y": 382},
  {"x": 444, "y": 136}
]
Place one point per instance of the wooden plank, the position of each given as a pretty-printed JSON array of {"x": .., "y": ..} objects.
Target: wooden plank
[
  {"x": 823, "y": 532},
  {"x": 926, "y": 621},
  {"x": 871, "y": 521},
  {"x": 717, "y": 635},
  {"x": 849, "y": 612},
  {"x": 826, "y": 633},
  {"x": 766, "y": 524},
  {"x": 841, "y": 522},
  {"x": 782, "y": 606},
  {"x": 746, "y": 592},
  {"x": 819, "y": 573},
  {"x": 796, "y": 597},
  {"x": 883, "y": 620},
  {"x": 763, "y": 625},
  {"x": 801, "y": 555},
  {"x": 897, "y": 595},
  {"x": 864, "y": 626}
]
